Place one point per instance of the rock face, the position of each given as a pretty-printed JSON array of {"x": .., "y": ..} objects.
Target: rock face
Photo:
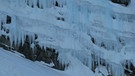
[
  {"x": 64, "y": 32},
  {"x": 48, "y": 55},
  {"x": 124, "y": 2}
]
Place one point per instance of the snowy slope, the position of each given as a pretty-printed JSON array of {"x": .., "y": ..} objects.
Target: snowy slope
[
  {"x": 94, "y": 35},
  {"x": 12, "y": 64}
]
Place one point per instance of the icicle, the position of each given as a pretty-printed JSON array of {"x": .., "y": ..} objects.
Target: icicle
[
  {"x": 35, "y": 3},
  {"x": 49, "y": 3},
  {"x": 13, "y": 31},
  {"x": 117, "y": 70},
  {"x": 72, "y": 11},
  {"x": 128, "y": 64},
  {"x": 3, "y": 19},
  {"x": 31, "y": 37},
  {"x": 44, "y": 3},
  {"x": 0, "y": 27},
  {"x": 30, "y": 3},
  {"x": 16, "y": 36},
  {"x": 23, "y": 37},
  {"x": 93, "y": 63},
  {"x": 19, "y": 39},
  {"x": 32, "y": 46},
  {"x": 11, "y": 40},
  {"x": 89, "y": 63},
  {"x": 84, "y": 17}
]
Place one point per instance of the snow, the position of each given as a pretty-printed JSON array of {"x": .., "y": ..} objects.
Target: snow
[
  {"x": 102, "y": 20},
  {"x": 101, "y": 70},
  {"x": 12, "y": 64},
  {"x": 76, "y": 68}
]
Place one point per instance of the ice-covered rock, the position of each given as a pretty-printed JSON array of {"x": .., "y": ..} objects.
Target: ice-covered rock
[{"x": 93, "y": 33}]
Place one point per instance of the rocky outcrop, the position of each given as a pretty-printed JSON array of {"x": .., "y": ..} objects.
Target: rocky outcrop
[
  {"x": 48, "y": 55},
  {"x": 37, "y": 53},
  {"x": 124, "y": 2}
]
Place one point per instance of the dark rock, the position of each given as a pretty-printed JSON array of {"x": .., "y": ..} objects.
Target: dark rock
[
  {"x": 38, "y": 4},
  {"x": 114, "y": 17},
  {"x": 58, "y": 18},
  {"x": 56, "y": 4},
  {"x": 8, "y": 21},
  {"x": 93, "y": 40},
  {"x": 123, "y": 2},
  {"x": 122, "y": 42},
  {"x": 27, "y": 2},
  {"x": 36, "y": 36},
  {"x": 62, "y": 19},
  {"x": 131, "y": 67},
  {"x": 32, "y": 6}
]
